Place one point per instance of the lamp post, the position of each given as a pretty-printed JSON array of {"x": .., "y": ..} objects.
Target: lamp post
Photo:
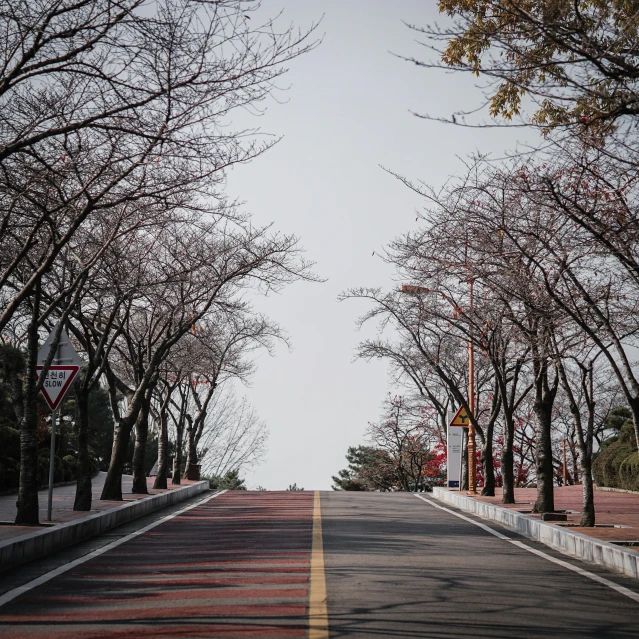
[{"x": 472, "y": 444}]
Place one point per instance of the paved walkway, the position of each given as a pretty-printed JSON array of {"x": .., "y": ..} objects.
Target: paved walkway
[
  {"x": 63, "y": 498},
  {"x": 611, "y": 509}
]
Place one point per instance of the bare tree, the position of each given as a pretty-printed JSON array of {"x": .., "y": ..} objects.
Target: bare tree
[
  {"x": 202, "y": 270},
  {"x": 108, "y": 103},
  {"x": 410, "y": 369},
  {"x": 233, "y": 436},
  {"x": 215, "y": 351},
  {"x": 405, "y": 440},
  {"x": 110, "y": 106},
  {"x": 426, "y": 321},
  {"x": 552, "y": 278},
  {"x": 225, "y": 356},
  {"x": 170, "y": 377}
]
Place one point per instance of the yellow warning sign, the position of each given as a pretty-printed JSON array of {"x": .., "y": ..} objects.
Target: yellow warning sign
[{"x": 461, "y": 418}]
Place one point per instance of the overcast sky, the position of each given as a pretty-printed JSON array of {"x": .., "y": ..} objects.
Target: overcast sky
[{"x": 348, "y": 111}]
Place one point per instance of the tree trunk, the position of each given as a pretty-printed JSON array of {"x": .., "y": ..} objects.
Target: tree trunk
[
  {"x": 634, "y": 408},
  {"x": 83, "y": 488},
  {"x": 507, "y": 463},
  {"x": 28, "y": 487},
  {"x": 139, "y": 452},
  {"x": 176, "y": 477},
  {"x": 588, "y": 509},
  {"x": 488, "y": 489},
  {"x": 191, "y": 452},
  {"x": 163, "y": 452},
  {"x": 543, "y": 456},
  {"x": 112, "y": 489},
  {"x": 575, "y": 463},
  {"x": 177, "y": 460}
]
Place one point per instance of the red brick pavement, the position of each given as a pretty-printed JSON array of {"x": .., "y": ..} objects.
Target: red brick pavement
[
  {"x": 62, "y": 506},
  {"x": 237, "y": 566},
  {"x": 610, "y": 508}
]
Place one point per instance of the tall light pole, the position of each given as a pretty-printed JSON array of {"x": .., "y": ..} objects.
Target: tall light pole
[{"x": 472, "y": 444}]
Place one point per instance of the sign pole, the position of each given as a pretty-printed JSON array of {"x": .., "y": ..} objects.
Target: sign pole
[
  {"x": 61, "y": 374},
  {"x": 460, "y": 421},
  {"x": 52, "y": 448},
  {"x": 51, "y": 465},
  {"x": 454, "y": 456}
]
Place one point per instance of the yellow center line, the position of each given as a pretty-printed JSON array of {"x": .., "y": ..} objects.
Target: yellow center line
[{"x": 317, "y": 612}]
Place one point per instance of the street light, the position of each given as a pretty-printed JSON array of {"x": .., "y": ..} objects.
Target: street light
[
  {"x": 412, "y": 289},
  {"x": 472, "y": 445}
]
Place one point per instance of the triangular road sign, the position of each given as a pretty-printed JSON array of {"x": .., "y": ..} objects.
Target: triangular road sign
[
  {"x": 65, "y": 354},
  {"x": 461, "y": 418},
  {"x": 57, "y": 383}
]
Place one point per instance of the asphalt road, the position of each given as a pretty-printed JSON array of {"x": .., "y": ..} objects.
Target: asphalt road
[
  {"x": 241, "y": 565},
  {"x": 398, "y": 567}
]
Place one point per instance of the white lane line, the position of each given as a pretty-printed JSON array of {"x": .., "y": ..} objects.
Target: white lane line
[
  {"x": 16, "y": 592},
  {"x": 580, "y": 571}
]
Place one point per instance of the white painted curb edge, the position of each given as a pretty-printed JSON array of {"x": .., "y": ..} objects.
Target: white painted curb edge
[
  {"x": 44, "y": 541},
  {"x": 617, "y": 558}
]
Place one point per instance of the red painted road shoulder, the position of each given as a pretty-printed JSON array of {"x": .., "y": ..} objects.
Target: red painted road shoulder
[{"x": 236, "y": 566}]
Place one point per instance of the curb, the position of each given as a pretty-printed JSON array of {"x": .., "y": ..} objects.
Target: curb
[
  {"x": 617, "y": 490},
  {"x": 60, "y": 484},
  {"x": 34, "y": 545},
  {"x": 619, "y": 559}
]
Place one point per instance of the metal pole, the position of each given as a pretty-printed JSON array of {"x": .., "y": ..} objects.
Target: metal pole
[
  {"x": 565, "y": 467},
  {"x": 56, "y": 360},
  {"x": 51, "y": 464},
  {"x": 472, "y": 446}
]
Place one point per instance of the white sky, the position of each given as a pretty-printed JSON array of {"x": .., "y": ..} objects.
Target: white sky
[{"x": 347, "y": 112}]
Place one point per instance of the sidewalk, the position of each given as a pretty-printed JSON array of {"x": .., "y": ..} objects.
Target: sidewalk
[
  {"x": 611, "y": 508},
  {"x": 63, "y": 498}
]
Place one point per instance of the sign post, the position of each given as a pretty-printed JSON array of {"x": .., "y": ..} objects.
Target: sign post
[
  {"x": 51, "y": 466},
  {"x": 454, "y": 447},
  {"x": 64, "y": 368},
  {"x": 454, "y": 456}
]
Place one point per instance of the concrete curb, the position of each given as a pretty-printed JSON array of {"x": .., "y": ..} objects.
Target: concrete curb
[
  {"x": 617, "y": 490},
  {"x": 60, "y": 484},
  {"x": 617, "y": 558},
  {"x": 34, "y": 545}
]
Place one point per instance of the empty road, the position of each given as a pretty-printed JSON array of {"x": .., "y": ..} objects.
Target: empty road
[{"x": 304, "y": 564}]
